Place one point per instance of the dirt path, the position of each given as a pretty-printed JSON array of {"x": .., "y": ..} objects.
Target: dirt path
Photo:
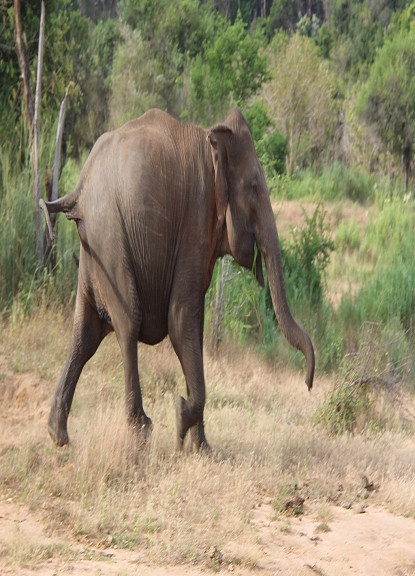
[{"x": 369, "y": 542}]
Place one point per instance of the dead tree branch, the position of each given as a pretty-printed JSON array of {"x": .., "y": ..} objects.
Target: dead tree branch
[{"x": 36, "y": 140}]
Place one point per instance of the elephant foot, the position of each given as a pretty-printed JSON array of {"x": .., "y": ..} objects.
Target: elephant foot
[
  {"x": 58, "y": 433},
  {"x": 197, "y": 431},
  {"x": 198, "y": 438},
  {"x": 142, "y": 424}
]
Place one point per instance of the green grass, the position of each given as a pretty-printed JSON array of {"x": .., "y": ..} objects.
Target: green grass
[
  {"x": 337, "y": 182},
  {"x": 23, "y": 281}
]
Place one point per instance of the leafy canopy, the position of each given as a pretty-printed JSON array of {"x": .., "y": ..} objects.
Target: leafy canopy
[{"x": 229, "y": 70}]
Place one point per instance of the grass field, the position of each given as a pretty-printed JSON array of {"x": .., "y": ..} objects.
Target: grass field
[{"x": 109, "y": 488}]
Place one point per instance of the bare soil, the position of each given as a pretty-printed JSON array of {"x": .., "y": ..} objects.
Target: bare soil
[
  {"x": 357, "y": 538},
  {"x": 365, "y": 541}
]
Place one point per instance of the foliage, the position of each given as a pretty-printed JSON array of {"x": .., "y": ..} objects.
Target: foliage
[
  {"x": 389, "y": 242},
  {"x": 359, "y": 29},
  {"x": 22, "y": 280},
  {"x": 369, "y": 384},
  {"x": 173, "y": 34},
  {"x": 270, "y": 144},
  {"x": 246, "y": 313},
  {"x": 241, "y": 314},
  {"x": 230, "y": 70},
  {"x": 305, "y": 259},
  {"x": 388, "y": 99},
  {"x": 336, "y": 183},
  {"x": 134, "y": 81},
  {"x": 17, "y": 246},
  {"x": 301, "y": 97}
]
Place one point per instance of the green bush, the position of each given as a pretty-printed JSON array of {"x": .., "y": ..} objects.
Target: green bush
[
  {"x": 347, "y": 236},
  {"x": 271, "y": 146},
  {"x": 369, "y": 383},
  {"x": 337, "y": 182},
  {"x": 305, "y": 258},
  {"x": 245, "y": 310},
  {"x": 236, "y": 307},
  {"x": 17, "y": 234},
  {"x": 389, "y": 294}
]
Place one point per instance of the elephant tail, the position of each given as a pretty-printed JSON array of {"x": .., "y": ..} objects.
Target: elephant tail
[{"x": 67, "y": 204}]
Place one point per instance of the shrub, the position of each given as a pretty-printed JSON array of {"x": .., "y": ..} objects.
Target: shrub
[
  {"x": 337, "y": 182},
  {"x": 388, "y": 295},
  {"x": 271, "y": 146},
  {"x": 305, "y": 259},
  {"x": 22, "y": 281},
  {"x": 17, "y": 235},
  {"x": 369, "y": 383}
]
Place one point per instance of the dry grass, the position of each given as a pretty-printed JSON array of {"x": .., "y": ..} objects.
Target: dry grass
[
  {"x": 108, "y": 487},
  {"x": 22, "y": 549}
]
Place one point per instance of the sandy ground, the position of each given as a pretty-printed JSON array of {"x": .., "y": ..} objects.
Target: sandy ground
[{"x": 369, "y": 542}]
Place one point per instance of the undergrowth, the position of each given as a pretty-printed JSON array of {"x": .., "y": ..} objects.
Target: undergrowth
[
  {"x": 369, "y": 393},
  {"x": 337, "y": 182}
]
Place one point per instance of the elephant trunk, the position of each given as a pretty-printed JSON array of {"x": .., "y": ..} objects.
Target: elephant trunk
[{"x": 269, "y": 246}]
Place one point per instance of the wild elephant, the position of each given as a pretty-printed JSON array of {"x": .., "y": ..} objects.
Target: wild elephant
[{"x": 156, "y": 204}]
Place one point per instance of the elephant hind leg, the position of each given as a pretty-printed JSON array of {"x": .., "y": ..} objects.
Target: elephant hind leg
[
  {"x": 127, "y": 328},
  {"x": 87, "y": 334}
]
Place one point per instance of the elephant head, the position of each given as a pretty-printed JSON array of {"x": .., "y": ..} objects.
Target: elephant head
[{"x": 244, "y": 209}]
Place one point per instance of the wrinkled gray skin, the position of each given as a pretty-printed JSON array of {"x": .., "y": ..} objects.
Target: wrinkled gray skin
[{"x": 156, "y": 204}]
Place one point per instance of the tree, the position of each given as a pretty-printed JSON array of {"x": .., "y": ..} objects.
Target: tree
[
  {"x": 134, "y": 83},
  {"x": 24, "y": 64},
  {"x": 388, "y": 99},
  {"x": 229, "y": 71},
  {"x": 301, "y": 96},
  {"x": 173, "y": 32}
]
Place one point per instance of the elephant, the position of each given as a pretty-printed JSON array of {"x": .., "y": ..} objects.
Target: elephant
[{"x": 156, "y": 204}]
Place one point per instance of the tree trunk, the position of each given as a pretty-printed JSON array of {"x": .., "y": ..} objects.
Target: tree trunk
[
  {"x": 48, "y": 259},
  {"x": 24, "y": 64},
  {"x": 36, "y": 141},
  {"x": 407, "y": 157},
  {"x": 59, "y": 135},
  {"x": 224, "y": 273}
]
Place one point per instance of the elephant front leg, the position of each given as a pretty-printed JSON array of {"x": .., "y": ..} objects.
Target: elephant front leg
[
  {"x": 185, "y": 329},
  {"x": 186, "y": 414}
]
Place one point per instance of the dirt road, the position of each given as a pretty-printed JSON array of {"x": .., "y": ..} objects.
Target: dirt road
[{"x": 367, "y": 542}]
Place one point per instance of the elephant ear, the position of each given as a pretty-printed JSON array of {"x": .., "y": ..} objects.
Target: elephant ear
[{"x": 218, "y": 137}]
